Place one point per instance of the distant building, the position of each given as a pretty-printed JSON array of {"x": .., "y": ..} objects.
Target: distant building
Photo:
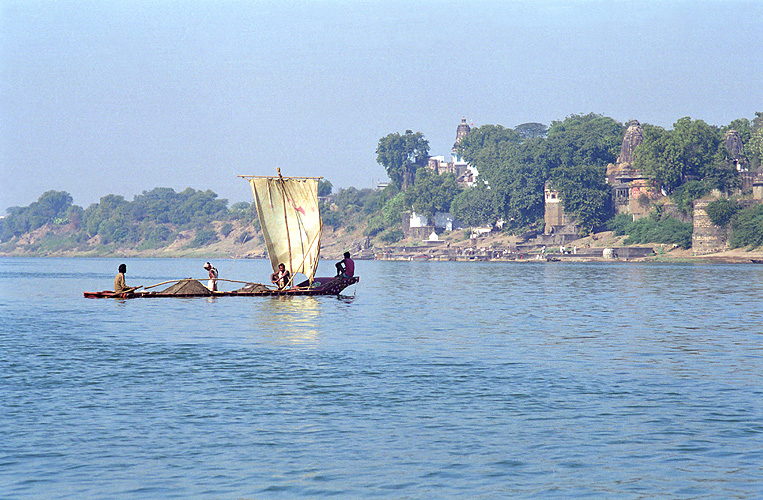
[
  {"x": 632, "y": 190},
  {"x": 558, "y": 223},
  {"x": 465, "y": 174}
]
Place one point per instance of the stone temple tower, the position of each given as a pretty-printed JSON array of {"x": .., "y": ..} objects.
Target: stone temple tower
[
  {"x": 461, "y": 132},
  {"x": 634, "y": 136}
]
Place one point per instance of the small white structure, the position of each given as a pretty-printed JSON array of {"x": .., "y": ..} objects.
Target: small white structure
[
  {"x": 434, "y": 237},
  {"x": 418, "y": 220},
  {"x": 444, "y": 220}
]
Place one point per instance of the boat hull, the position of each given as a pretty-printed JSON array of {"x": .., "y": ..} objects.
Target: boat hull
[{"x": 321, "y": 286}]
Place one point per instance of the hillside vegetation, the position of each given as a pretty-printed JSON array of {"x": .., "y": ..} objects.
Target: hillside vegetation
[{"x": 686, "y": 162}]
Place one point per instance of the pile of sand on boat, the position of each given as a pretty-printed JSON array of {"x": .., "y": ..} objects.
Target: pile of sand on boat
[{"x": 191, "y": 286}]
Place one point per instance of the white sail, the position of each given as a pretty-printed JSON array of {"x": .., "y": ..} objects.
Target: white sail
[{"x": 290, "y": 220}]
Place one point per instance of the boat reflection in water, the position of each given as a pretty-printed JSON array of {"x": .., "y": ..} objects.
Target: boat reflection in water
[{"x": 288, "y": 319}]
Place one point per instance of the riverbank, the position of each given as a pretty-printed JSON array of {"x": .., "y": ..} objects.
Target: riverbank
[{"x": 240, "y": 242}]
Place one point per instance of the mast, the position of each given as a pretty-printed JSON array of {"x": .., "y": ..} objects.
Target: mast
[{"x": 285, "y": 218}]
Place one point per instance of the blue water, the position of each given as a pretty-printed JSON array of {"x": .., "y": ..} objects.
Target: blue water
[{"x": 427, "y": 380}]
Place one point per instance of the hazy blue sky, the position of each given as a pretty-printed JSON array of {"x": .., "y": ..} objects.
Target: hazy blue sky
[{"x": 100, "y": 97}]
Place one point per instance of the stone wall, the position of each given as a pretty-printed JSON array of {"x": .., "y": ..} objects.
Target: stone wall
[{"x": 706, "y": 237}]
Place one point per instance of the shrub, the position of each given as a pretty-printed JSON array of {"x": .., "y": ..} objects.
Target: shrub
[
  {"x": 747, "y": 228},
  {"x": 721, "y": 211},
  {"x": 203, "y": 237},
  {"x": 669, "y": 230},
  {"x": 391, "y": 236},
  {"x": 685, "y": 194},
  {"x": 243, "y": 237},
  {"x": 226, "y": 229},
  {"x": 619, "y": 224}
]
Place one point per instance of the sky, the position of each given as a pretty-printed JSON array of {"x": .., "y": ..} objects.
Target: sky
[{"x": 103, "y": 97}]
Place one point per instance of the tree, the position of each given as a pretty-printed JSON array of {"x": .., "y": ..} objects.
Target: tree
[
  {"x": 475, "y": 206},
  {"x": 747, "y": 228},
  {"x": 721, "y": 211},
  {"x": 50, "y": 207},
  {"x": 757, "y": 122},
  {"x": 754, "y": 148},
  {"x": 496, "y": 152},
  {"x": 590, "y": 139},
  {"x": 585, "y": 194},
  {"x": 685, "y": 194},
  {"x": 431, "y": 192},
  {"x": 696, "y": 144},
  {"x": 402, "y": 155},
  {"x": 692, "y": 150},
  {"x": 657, "y": 159},
  {"x": 324, "y": 188},
  {"x": 523, "y": 194},
  {"x": 531, "y": 130},
  {"x": 487, "y": 147},
  {"x": 742, "y": 126}
]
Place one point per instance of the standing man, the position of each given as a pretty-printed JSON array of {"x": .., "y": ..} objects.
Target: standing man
[
  {"x": 212, "y": 283},
  {"x": 346, "y": 266}
]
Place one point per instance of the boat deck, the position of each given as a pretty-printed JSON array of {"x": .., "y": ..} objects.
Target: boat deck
[{"x": 321, "y": 286}]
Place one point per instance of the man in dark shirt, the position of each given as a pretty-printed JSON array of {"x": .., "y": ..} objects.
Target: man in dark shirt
[{"x": 346, "y": 266}]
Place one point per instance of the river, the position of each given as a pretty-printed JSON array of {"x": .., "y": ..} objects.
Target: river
[{"x": 426, "y": 380}]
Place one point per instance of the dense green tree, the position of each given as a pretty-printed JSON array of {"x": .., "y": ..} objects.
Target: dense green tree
[
  {"x": 522, "y": 196},
  {"x": 697, "y": 145},
  {"x": 475, "y": 206},
  {"x": 487, "y": 148},
  {"x": 330, "y": 218},
  {"x": 204, "y": 237},
  {"x": 754, "y": 149},
  {"x": 75, "y": 215},
  {"x": 747, "y": 228},
  {"x": 685, "y": 194},
  {"x": 497, "y": 153},
  {"x": 585, "y": 194},
  {"x": 574, "y": 157},
  {"x": 591, "y": 139},
  {"x": 657, "y": 159},
  {"x": 365, "y": 200},
  {"x": 402, "y": 155},
  {"x": 393, "y": 210},
  {"x": 52, "y": 207},
  {"x": 110, "y": 207},
  {"x": 757, "y": 122},
  {"x": 532, "y": 130},
  {"x": 431, "y": 192},
  {"x": 692, "y": 150},
  {"x": 324, "y": 188},
  {"x": 721, "y": 211}
]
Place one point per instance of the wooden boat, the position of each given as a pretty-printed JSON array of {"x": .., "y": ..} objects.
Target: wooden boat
[
  {"x": 320, "y": 286},
  {"x": 291, "y": 226}
]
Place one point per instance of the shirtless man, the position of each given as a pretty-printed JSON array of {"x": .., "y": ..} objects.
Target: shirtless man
[{"x": 281, "y": 277}]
